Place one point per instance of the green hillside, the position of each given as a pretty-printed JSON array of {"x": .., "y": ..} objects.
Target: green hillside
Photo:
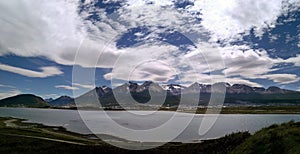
[
  {"x": 276, "y": 139},
  {"x": 24, "y": 100},
  {"x": 35, "y": 138},
  {"x": 23, "y": 138}
]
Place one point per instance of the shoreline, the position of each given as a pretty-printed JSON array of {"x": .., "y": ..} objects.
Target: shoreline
[
  {"x": 35, "y": 138},
  {"x": 14, "y": 132},
  {"x": 287, "y": 109},
  {"x": 19, "y": 137}
]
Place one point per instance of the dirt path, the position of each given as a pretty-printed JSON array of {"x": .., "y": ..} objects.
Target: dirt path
[
  {"x": 10, "y": 123},
  {"x": 43, "y": 138}
]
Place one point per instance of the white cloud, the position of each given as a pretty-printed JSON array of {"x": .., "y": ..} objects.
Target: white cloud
[
  {"x": 9, "y": 93},
  {"x": 53, "y": 29},
  {"x": 232, "y": 60},
  {"x": 31, "y": 28},
  {"x": 76, "y": 86},
  {"x": 247, "y": 62},
  {"x": 238, "y": 63},
  {"x": 242, "y": 81},
  {"x": 226, "y": 20},
  {"x": 205, "y": 58},
  {"x": 295, "y": 60},
  {"x": 56, "y": 30},
  {"x": 145, "y": 62},
  {"x": 6, "y": 86},
  {"x": 66, "y": 87},
  {"x": 210, "y": 79},
  {"x": 282, "y": 78},
  {"x": 45, "y": 71},
  {"x": 85, "y": 86},
  {"x": 51, "y": 96},
  {"x": 160, "y": 13}
]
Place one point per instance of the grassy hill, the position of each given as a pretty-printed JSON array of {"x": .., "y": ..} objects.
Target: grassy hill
[
  {"x": 276, "y": 139},
  {"x": 24, "y": 100}
]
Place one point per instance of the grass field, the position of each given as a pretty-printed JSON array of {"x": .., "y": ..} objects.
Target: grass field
[
  {"x": 276, "y": 139},
  {"x": 17, "y": 137}
]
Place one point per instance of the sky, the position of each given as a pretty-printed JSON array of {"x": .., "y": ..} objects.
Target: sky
[{"x": 67, "y": 47}]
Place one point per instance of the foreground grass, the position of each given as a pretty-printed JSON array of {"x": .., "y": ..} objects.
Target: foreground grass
[
  {"x": 33, "y": 138},
  {"x": 276, "y": 139},
  {"x": 14, "y": 128}
]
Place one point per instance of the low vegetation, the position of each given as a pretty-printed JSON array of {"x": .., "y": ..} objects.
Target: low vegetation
[
  {"x": 35, "y": 138},
  {"x": 276, "y": 139},
  {"x": 18, "y": 137}
]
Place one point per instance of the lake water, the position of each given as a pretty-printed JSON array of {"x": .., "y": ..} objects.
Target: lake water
[{"x": 131, "y": 124}]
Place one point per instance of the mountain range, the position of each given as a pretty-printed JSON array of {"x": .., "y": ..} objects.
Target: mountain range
[{"x": 236, "y": 94}]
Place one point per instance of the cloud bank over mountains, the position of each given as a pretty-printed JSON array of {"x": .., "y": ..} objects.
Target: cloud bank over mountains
[{"x": 87, "y": 33}]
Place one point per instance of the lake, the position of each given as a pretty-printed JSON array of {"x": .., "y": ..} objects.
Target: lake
[{"x": 130, "y": 125}]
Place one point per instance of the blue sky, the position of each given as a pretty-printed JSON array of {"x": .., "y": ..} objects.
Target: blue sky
[{"x": 60, "y": 47}]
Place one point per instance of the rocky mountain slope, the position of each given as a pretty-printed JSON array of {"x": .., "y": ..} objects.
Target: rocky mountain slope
[{"x": 235, "y": 94}]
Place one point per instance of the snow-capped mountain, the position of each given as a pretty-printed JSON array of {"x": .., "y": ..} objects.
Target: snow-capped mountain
[
  {"x": 174, "y": 89},
  {"x": 172, "y": 93}
]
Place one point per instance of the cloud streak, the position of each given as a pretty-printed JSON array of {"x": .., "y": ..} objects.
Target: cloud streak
[
  {"x": 282, "y": 78},
  {"x": 66, "y": 87},
  {"x": 85, "y": 86},
  {"x": 45, "y": 71},
  {"x": 76, "y": 86},
  {"x": 9, "y": 93}
]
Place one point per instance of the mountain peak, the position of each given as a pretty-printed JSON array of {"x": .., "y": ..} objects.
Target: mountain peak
[
  {"x": 196, "y": 84},
  {"x": 62, "y": 101},
  {"x": 274, "y": 89},
  {"x": 226, "y": 84}
]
